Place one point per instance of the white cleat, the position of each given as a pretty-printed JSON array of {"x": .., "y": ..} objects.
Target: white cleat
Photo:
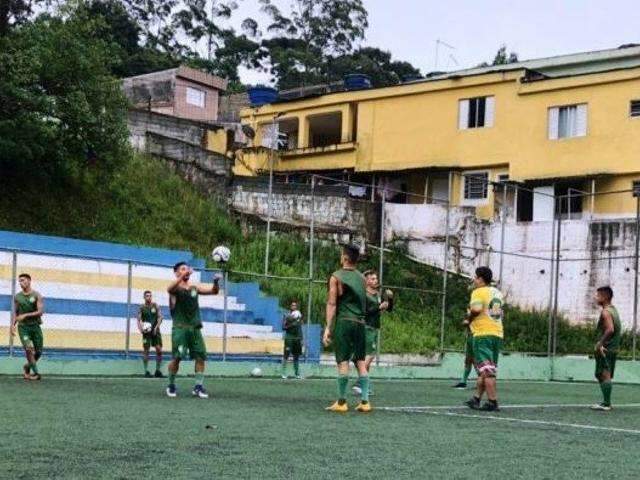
[
  {"x": 199, "y": 392},
  {"x": 601, "y": 407},
  {"x": 171, "y": 391}
]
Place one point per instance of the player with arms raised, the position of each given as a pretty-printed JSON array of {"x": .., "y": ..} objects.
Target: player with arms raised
[
  {"x": 609, "y": 330},
  {"x": 28, "y": 309},
  {"x": 150, "y": 317},
  {"x": 186, "y": 333},
  {"x": 292, "y": 326},
  {"x": 346, "y": 306},
  {"x": 485, "y": 321}
]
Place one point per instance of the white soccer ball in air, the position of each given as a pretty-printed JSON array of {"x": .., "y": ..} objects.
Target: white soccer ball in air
[
  {"x": 256, "y": 372},
  {"x": 146, "y": 327},
  {"x": 296, "y": 315},
  {"x": 221, "y": 254}
]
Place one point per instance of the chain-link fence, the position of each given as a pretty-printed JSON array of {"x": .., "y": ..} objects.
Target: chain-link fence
[{"x": 549, "y": 246}]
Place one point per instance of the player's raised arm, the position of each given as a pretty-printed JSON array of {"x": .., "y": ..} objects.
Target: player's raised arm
[
  {"x": 332, "y": 302},
  {"x": 173, "y": 286},
  {"x": 210, "y": 290}
]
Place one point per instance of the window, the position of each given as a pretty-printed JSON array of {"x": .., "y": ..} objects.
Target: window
[
  {"x": 568, "y": 121},
  {"x": 475, "y": 112},
  {"x": 635, "y": 108},
  {"x": 195, "y": 97},
  {"x": 476, "y": 185}
]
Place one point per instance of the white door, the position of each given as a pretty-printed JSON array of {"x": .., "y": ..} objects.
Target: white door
[{"x": 543, "y": 204}]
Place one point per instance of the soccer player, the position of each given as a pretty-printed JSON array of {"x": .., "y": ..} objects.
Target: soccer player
[
  {"x": 485, "y": 321},
  {"x": 186, "y": 333},
  {"x": 292, "y": 326},
  {"x": 346, "y": 307},
  {"x": 28, "y": 309},
  {"x": 468, "y": 358},
  {"x": 376, "y": 304},
  {"x": 609, "y": 329},
  {"x": 150, "y": 313}
]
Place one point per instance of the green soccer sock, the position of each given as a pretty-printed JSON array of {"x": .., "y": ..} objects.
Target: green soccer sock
[
  {"x": 606, "y": 388},
  {"x": 34, "y": 367},
  {"x": 296, "y": 367},
  {"x": 145, "y": 362},
  {"x": 172, "y": 378},
  {"x": 158, "y": 365},
  {"x": 364, "y": 385},
  {"x": 343, "y": 382},
  {"x": 199, "y": 378},
  {"x": 467, "y": 372}
]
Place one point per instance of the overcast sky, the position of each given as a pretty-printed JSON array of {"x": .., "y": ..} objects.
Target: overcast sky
[{"x": 476, "y": 28}]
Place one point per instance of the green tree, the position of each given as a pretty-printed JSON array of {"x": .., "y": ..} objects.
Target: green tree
[
  {"x": 62, "y": 110},
  {"x": 502, "y": 58},
  {"x": 302, "y": 40}
]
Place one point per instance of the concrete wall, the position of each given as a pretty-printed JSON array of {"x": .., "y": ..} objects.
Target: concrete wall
[
  {"x": 334, "y": 211},
  {"x": 140, "y": 122},
  {"x": 590, "y": 252}
]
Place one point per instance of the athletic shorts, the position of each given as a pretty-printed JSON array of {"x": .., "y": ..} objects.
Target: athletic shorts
[
  {"x": 371, "y": 341},
  {"x": 486, "y": 350},
  {"x": 349, "y": 341},
  {"x": 292, "y": 346},
  {"x": 150, "y": 340},
  {"x": 31, "y": 337},
  {"x": 606, "y": 363},
  {"x": 468, "y": 347},
  {"x": 188, "y": 343}
]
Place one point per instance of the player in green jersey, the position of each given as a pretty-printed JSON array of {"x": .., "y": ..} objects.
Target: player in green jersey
[
  {"x": 28, "y": 307},
  {"x": 149, "y": 313},
  {"x": 606, "y": 350},
  {"x": 292, "y": 326},
  {"x": 377, "y": 302},
  {"x": 186, "y": 334},
  {"x": 346, "y": 307}
]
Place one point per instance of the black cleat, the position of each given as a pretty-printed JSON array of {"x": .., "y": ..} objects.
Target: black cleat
[
  {"x": 460, "y": 386},
  {"x": 158, "y": 374},
  {"x": 490, "y": 407},
  {"x": 473, "y": 403},
  {"x": 147, "y": 374}
]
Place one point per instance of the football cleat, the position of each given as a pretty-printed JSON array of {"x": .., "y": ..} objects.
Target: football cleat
[
  {"x": 460, "y": 386},
  {"x": 35, "y": 376},
  {"x": 147, "y": 374},
  {"x": 338, "y": 408},
  {"x": 473, "y": 403},
  {"x": 158, "y": 374},
  {"x": 200, "y": 392},
  {"x": 364, "y": 407},
  {"x": 490, "y": 407},
  {"x": 601, "y": 407},
  {"x": 171, "y": 391}
]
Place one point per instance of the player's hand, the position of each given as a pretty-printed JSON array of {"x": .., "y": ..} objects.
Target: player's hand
[
  {"x": 384, "y": 306},
  {"x": 187, "y": 274},
  {"x": 326, "y": 338},
  {"x": 601, "y": 350},
  {"x": 465, "y": 322},
  {"x": 156, "y": 330}
]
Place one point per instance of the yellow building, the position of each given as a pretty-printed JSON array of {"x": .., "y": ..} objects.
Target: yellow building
[{"x": 555, "y": 125}]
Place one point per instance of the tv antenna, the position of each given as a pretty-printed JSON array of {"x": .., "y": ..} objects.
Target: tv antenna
[{"x": 444, "y": 44}]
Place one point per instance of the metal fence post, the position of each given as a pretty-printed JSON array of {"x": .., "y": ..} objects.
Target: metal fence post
[
  {"x": 445, "y": 265},
  {"x": 381, "y": 264},
  {"x": 224, "y": 314},
  {"x": 128, "y": 329},
  {"x": 635, "y": 277},
  {"x": 503, "y": 217},
  {"x": 14, "y": 274},
  {"x": 312, "y": 233}
]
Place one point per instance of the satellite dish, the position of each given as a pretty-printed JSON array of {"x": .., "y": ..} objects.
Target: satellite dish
[{"x": 248, "y": 131}]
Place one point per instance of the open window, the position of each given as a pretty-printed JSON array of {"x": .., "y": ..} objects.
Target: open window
[
  {"x": 288, "y": 134},
  {"x": 325, "y": 129}
]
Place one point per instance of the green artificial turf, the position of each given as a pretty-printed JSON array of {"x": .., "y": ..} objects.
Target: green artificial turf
[{"x": 109, "y": 428}]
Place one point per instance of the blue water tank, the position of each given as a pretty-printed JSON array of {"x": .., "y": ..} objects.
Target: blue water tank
[
  {"x": 357, "y": 81},
  {"x": 262, "y": 95}
]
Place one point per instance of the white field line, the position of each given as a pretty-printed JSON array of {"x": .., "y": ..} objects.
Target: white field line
[
  {"x": 531, "y": 406},
  {"x": 530, "y": 422}
]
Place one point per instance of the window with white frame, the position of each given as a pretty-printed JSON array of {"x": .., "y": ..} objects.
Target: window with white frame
[
  {"x": 568, "y": 121},
  {"x": 476, "y": 112},
  {"x": 634, "y": 109},
  {"x": 196, "y": 97},
  {"x": 475, "y": 186}
]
